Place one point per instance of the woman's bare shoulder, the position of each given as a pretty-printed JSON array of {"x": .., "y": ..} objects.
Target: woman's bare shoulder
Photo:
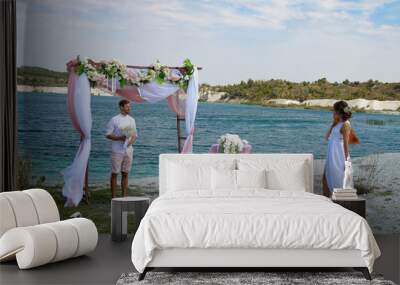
[{"x": 346, "y": 127}]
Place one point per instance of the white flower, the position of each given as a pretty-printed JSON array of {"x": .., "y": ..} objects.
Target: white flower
[
  {"x": 347, "y": 109},
  {"x": 150, "y": 75},
  {"x": 157, "y": 66},
  {"x": 115, "y": 69},
  {"x": 231, "y": 143},
  {"x": 128, "y": 131},
  {"x": 85, "y": 61}
]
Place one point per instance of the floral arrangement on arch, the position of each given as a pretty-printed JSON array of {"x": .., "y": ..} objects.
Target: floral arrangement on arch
[
  {"x": 115, "y": 70},
  {"x": 231, "y": 143}
]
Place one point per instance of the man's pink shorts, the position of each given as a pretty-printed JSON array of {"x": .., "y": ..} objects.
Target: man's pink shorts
[{"x": 121, "y": 162}]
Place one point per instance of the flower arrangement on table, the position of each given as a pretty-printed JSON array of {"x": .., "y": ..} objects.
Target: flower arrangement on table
[
  {"x": 231, "y": 143},
  {"x": 115, "y": 70}
]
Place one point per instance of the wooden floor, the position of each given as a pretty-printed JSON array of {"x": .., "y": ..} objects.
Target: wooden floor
[{"x": 110, "y": 260}]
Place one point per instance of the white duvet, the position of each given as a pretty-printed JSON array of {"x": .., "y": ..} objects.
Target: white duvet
[{"x": 250, "y": 219}]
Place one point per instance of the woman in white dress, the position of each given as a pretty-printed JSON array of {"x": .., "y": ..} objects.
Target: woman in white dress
[{"x": 339, "y": 136}]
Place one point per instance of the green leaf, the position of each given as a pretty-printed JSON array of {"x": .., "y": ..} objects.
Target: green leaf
[
  {"x": 159, "y": 80},
  {"x": 221, "y": 148},
  {"x": 188, "y": 66},
  {"x": 122, "y": 82},
  {"x": 80, "y": 69},
  {"x": 187, "y": 63}
]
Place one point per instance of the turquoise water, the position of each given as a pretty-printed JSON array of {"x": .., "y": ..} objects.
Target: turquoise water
[{"x": 46, "y": 136}]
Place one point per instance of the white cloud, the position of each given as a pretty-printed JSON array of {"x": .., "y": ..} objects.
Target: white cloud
[
  {"x": 267, "y": 14},
  {"x": 233, "y": 40}
]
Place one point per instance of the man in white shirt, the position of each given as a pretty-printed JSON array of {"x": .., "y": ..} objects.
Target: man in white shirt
[{"x": 122, "y": 155}]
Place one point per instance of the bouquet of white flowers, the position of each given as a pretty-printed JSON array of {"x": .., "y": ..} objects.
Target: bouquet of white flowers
[
  {"x": 231, "y": 143},
  {"x": 116, "y": 71},
  {"x": 128, "y": 132},
  {"x": 348, "y": 175}
]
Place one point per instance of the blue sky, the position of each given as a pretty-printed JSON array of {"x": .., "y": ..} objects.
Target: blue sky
[{"x": 233, "y": 40}]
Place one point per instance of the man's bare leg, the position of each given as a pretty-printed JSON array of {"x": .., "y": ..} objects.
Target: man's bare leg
[
  {"x": 124, "y": 183},
  {"x": 325, "y": 187},
  {"x": 113, "y": 183}
]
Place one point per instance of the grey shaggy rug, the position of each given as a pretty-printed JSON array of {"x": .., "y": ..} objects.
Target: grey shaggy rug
[{"x": 230, "y": 278}]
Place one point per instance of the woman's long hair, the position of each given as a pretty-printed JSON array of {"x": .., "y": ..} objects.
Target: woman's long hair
[{"x": 343, "y": 110}]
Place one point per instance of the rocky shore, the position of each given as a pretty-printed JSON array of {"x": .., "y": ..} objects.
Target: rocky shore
[
  {"x": 58, "y": 90},
  {"x": 220, "y": 97},
  {"x": 357, "y": 104}
]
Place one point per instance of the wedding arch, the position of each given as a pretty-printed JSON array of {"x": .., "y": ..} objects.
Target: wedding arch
[{"x": 179, "y": 85}]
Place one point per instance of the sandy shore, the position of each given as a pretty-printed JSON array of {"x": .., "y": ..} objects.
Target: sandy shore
[
  {"x": 149, "y": 185},
  {"x": 58, "y": 90},
  {"x": 380, "y": 174}
]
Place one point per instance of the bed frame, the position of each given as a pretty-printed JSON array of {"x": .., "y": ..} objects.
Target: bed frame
[{"x": 247, "y": 259}]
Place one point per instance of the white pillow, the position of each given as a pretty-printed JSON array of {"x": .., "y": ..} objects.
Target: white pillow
[
  {"x": 292, "y": 178},
  {"x": 251, "y": 178},
  {"x": 282, "y": 174},
  {"x": 182, "y": 177},
  {"x": 223, "y": 179}
]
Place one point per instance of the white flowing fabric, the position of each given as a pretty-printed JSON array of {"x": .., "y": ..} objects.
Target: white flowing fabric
[
  {"x": 74, "y": 174},
  {"x": 191, "y": 110},
  {"x": 152, "y": 92},
  {"x": 191, "y": 101}
]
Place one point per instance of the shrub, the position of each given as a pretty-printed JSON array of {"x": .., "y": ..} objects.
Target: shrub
[
  {"x": 24, "y": 173},
  {"x": 366, "y": 180}
]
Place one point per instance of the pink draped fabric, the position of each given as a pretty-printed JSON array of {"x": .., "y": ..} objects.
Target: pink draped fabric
[
  {"x": 130, "y": 93},
  {"x": 188, "y": 146},
  {"x": 149, "y": 93},
  {"x": 70, "y": 100},
  {"x": 175, "y": 104},
  {"x": 78, "y": 105},
  {"x": 215, "y": 148}
]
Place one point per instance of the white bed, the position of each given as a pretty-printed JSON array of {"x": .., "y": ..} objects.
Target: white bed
[{"x": 213, "y": 211}]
